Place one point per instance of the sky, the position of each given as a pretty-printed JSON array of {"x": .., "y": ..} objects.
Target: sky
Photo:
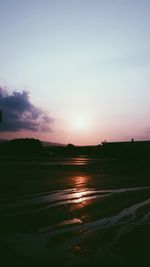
[{"x": 75, "y": 71}]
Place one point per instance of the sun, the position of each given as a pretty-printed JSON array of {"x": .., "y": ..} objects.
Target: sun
[{"x": 80, "y": 123}]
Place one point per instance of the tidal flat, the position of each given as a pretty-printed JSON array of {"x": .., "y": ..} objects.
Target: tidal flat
[{"x": 75, "y": 212}]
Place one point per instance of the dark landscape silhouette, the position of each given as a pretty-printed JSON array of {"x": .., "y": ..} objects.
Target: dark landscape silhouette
[
  {"x": 74, "y": 205},
  {"x": 34, "y": 148}
]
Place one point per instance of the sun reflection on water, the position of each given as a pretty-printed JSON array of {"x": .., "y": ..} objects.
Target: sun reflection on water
[
  {"x": 81, "y": 190},
  {"x": 80, "y": 161},
  {"x": 80, "y": 181},
  {"x": 79, "y": 194}
]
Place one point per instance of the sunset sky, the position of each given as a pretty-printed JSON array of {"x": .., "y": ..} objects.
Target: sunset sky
[{"x": 75, "y": 71}]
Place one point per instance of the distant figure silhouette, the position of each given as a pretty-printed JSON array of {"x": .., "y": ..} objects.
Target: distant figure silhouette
[{"x": 104, "y": 142}]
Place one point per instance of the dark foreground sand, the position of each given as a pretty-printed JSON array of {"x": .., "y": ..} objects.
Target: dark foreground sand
[{"x": 71, "y": 214}]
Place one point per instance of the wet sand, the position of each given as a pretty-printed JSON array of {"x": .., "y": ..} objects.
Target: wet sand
[{"x": 75, "y": 213}]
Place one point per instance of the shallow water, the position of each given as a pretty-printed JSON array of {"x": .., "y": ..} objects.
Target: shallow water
[
  {"x": 56, "y": 198},
  {"x": 67, "y": 236},
  {"x": 81, "y": 225}
]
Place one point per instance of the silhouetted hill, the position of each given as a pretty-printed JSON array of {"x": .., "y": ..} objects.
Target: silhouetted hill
[
  {"x": 3, "y": 140},
  {"x": 44, "y": 143},
  {"x": 49, "y": 144},
  {"x": 21, "y": 148},
  {"x": 34, "y": 148}
]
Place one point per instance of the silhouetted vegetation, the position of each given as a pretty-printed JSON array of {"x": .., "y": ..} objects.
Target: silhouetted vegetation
[
  {"x": 23, "y": 148},
  {"x": 127, "y": 150},
  {"x": 33, "y": 148},
  {"x": 119, "y": 150}
]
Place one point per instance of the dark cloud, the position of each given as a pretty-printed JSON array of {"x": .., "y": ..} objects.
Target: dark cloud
[{"x": 20, "y": 114}]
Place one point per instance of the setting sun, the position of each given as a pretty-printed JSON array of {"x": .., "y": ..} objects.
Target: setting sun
[{"x": 80, "y": 123}]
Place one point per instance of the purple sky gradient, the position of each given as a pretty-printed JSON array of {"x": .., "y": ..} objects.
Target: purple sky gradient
[{"x": 83, "y": 58}]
